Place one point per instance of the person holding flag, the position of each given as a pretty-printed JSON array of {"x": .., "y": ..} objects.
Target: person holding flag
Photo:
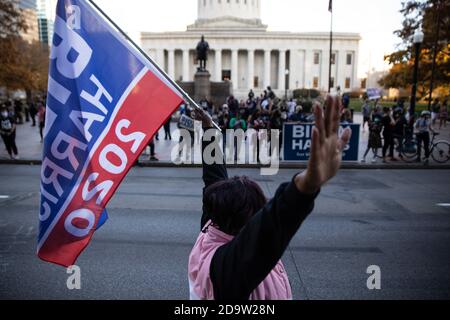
[{"x": 243, "y": 237}]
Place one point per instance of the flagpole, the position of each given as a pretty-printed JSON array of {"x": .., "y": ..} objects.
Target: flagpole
[
  {"x": 331, "y": 48},
  {"x": 163, "y": 73}
]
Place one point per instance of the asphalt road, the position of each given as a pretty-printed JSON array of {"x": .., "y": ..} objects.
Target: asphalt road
[{"x": 386, "y": 218}]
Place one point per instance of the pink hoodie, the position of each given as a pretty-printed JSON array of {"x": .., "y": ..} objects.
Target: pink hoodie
[{"x": 275, "y": 287}]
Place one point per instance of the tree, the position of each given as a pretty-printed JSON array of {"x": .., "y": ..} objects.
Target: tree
[
  {"x": 12, "y": 21},
  {"x": 23, "y": 65},
  {"x": 434, "y": 17}
]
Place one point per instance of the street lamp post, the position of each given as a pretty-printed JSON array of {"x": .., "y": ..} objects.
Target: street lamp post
[{"x": 417, "y": 40}]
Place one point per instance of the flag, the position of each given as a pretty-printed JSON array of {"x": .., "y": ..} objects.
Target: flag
[
  {"x": 105, "y": 102},
  {"x": 330, "y": 6}
]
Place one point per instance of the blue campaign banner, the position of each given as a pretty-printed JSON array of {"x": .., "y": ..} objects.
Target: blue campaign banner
[
  {"x": 297, "y": 142},
  {"x": 373, "y": 93}
]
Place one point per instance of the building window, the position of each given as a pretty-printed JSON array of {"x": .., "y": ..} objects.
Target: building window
[
  {"x": 226, "y": 75},
  {"x": 363, "y": 83},
  {"x": 333, "y": 58},
  {"x": 316, "y": 57},
  {"x": 332, "y": 82},
  {"x": 349, "y": 59},
  {"x": 256, "y": 82},
  {"x": 316, "y": 82},
  {"x": 347, "y": 83}
]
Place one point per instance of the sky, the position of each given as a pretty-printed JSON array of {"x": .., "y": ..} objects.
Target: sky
[{"x": 375, "y": 20}]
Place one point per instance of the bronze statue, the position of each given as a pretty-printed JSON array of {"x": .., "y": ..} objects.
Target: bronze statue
[{"x": 202, "y": 54}]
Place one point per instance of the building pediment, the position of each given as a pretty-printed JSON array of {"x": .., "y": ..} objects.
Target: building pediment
[{"x": 227, "y": 23}]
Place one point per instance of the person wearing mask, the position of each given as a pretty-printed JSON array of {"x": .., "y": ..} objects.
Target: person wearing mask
[
  {"x": 388, "y": 134},
  {"x": 423, "y": 129},
  {"x": 8, "y": 132},
  {"x": 374, "y": 142},
  {"x": 237, "y": 255}
]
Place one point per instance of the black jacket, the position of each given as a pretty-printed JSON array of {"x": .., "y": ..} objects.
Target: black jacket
[{"x": 239, "y": 266}]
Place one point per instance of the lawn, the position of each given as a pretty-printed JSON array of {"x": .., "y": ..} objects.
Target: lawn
[{"x": 356, "y": 104}]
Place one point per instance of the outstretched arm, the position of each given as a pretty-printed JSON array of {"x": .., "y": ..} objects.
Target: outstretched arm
[
  {"x": 212, "y": 173},
  {"x": 238, "y": 267}
]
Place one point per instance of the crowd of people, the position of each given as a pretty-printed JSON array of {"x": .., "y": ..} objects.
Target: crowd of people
[
  {"x": 17, "y": 112},
  {"x": 388, "y": 126},
  {"x": 391, "y": 126}
]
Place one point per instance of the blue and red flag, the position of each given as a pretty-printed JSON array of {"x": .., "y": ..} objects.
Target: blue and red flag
[{"x": 105, "y": 102}]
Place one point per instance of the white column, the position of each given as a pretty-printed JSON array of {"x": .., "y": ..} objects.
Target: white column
[
  {"x": 234, "y": 68},
  {"x": 355, "y": 83},
  {"x": 309, "y": 56},
  {"x": 160, "y": 58},
  {"x": 282, "y": 70},
  {"x": 266, "y": 68},
  {"x": 251, "y": 68},
  {"x": 218, "y": 66},
  {"x": 325, "y": 69},
  {"x": 185, "y": 65},
  {"x": 342, "y": 68},
  {"x": 171, "y": 65}
]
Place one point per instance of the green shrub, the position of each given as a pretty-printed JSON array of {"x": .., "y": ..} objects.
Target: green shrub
[{"x": 306, "y": 94}]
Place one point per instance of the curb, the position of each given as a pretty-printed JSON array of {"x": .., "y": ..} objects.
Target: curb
[{"x": 283, "y": 165}]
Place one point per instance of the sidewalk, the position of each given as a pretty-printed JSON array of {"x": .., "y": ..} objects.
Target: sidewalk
[{"x": 30, "y": 150}]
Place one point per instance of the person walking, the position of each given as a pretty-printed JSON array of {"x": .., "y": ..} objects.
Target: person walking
[
  {"x": 8, "y": 133},
  {"x": 243, "y": 236},
  {"x": 374, "y": 142},
  {"x": 423, "y": 129}
]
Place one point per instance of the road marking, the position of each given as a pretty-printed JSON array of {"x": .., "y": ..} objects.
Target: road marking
[
  {"x": 4, "y": 197},
  {"x": 445, "y": 205}
]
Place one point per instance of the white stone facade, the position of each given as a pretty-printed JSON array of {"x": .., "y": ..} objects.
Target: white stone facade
[{"x": 250, "y": 56}]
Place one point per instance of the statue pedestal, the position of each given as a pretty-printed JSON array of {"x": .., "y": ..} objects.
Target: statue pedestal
[{"x": 202, "y": 85}]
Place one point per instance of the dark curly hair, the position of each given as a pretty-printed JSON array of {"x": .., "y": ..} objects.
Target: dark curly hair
[{"x": 231, "y": 203}]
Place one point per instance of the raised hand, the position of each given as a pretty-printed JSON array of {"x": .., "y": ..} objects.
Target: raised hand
[{"x": 326, "y": 148}]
